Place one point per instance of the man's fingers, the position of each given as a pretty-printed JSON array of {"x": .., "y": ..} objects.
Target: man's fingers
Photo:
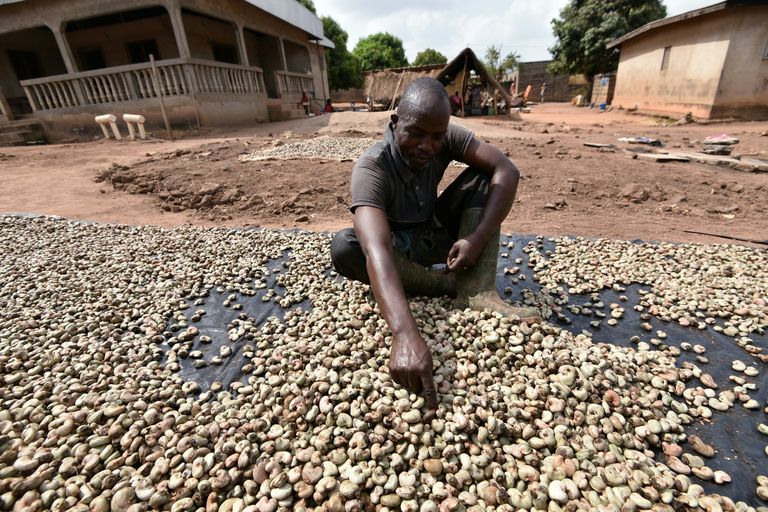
[
  {"x": 396, "y": 377},
  {"x": 430, "y": 393},
  {"x": 454, "y": 260},
  {"x": 414, "y": 385},
  {"x": 458, "y": 263},
  {"x": 407, "y": 380}
]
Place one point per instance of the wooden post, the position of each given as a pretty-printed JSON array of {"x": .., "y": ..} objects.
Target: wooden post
[
  {"x": 159, "y": 92},
  {"x": 463, "y": 85},
  {"x": 397, "y": 88},
  {"x": 368, "y": 93}
]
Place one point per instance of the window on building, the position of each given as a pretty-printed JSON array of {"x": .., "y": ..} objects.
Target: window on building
[
  {"x": 140, "y": 51},
  {"x": 224, "y": 53},
  {"x": 91, "y": 58},
  {"x": 665, "y": 58},
  {"x": 765, "y": 52},
  {"x": 297, "y": 57}
]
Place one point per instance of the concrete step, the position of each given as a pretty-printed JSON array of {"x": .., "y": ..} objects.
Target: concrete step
[
  {"x": 25, "y": 122},
  {"x": 17, "y": 133},
  {"x": 284, "y": 112},
  {"x": 12, "y": 139}
]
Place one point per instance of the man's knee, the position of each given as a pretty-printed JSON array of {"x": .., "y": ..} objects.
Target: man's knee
[
  {"x": 469, "y": 190},
  {"x": 347, "y": 256}
]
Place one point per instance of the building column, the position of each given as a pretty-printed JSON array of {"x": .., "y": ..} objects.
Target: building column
[
  {"x": 323, "y": 70},
  {"x": 174, "y": 11},
  {"x": 64, "y": 49},
  {"x": 282, "y": 54},
  {"x": 240, "y": 35},
  {"x": 69, "y": 63}
]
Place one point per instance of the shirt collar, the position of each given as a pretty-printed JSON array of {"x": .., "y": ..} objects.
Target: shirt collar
[{"x": 402, "y": 168}]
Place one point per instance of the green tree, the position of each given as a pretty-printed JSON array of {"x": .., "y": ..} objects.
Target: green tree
[
  {"x": 429, "y": 56},
  {"x": 496, "y": 65},
  {"x": 343, "y": 67},
  {"x": 309, "y": 4},
  {"x": 586, "y": 26},
  {"x": 379, "y": 51}
]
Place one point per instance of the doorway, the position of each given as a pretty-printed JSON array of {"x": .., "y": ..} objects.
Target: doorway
[
  {"x": 24, "y": 55},
  {"x": 264, "y": 52}
]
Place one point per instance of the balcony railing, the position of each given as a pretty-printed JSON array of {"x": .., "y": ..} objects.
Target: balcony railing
[
  {"x": 295, "y": 83},
  {"x": 175, "y": 77}
]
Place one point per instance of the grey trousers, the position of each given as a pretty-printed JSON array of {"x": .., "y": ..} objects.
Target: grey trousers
[{"x": 427, "y": 244}]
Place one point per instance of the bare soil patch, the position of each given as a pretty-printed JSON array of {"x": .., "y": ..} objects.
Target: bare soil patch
[{"x": 566, "y": 187}]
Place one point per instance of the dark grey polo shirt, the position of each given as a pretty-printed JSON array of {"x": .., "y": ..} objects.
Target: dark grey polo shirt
[{"x": 382, "y": 179}]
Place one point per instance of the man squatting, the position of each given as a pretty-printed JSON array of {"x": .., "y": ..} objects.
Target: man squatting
[{"x": 401, "y": 225}]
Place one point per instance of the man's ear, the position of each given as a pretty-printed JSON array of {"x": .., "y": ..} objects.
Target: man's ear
[{"x": 394, "y": 119}]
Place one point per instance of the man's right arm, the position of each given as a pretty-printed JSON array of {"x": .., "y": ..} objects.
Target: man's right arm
[{"x": 410, "y": 362}]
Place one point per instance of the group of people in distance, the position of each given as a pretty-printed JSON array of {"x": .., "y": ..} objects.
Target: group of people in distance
[
  {"x": 457, "y": 109},
  {"x": 454, "y": 100}
]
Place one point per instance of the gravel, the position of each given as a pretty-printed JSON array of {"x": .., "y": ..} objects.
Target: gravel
[{"x": 325, "y": 147}]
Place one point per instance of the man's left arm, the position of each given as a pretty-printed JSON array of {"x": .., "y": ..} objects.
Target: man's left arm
[{"x": 504, "y": 178}]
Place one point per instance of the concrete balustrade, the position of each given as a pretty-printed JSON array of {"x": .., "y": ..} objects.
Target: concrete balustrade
[
  {"x": 108, "y": 119},
  {"x": 130, "y": 120},
  {"x": 176, "y": 77}
]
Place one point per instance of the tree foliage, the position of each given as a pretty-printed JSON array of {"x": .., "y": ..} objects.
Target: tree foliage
[
  {"x": 343, "y": 67},
  {"x": 586, "y": 26},
  {"x": 496, "y": 65},
  {"x": 309, "y": 4},
  {"x": 379, "y": 51},
  {"x": 429, "y": 56}
]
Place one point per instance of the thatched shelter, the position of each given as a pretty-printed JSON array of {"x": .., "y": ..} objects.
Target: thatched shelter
[
  {"x": 385, "y": 86},
  {"x": 466, "y": 71}
]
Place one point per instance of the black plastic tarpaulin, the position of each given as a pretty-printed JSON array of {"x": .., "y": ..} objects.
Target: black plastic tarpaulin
[{"x": 740, "y": 447}]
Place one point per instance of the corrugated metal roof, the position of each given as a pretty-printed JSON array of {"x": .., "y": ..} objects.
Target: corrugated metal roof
[
  {"x": 326, "y": 42},
  {"x": 682, "y": 17},
  {"x": 294, "y": 13},
  {"x": 290, "y": 11}
]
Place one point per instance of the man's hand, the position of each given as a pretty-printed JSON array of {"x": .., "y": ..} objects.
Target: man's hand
[
  {"x": 464, "y": 253},
  {"x": 410, "y": 365}
]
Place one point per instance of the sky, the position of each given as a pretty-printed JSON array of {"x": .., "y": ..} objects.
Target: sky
[{"x": 449, "y": 26}]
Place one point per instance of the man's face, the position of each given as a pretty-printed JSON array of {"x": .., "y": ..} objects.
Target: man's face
[{"x": 419, "y": 138}]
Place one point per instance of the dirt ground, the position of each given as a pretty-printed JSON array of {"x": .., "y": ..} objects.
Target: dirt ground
[{"x": 566, "y": 187}]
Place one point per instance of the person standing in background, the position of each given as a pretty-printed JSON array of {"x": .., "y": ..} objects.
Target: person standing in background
[
  {"x": 543, "y": 91},
  {"x": 455, "y": 103}
]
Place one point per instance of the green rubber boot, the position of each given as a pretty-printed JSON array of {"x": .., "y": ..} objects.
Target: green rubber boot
[
  {"x": 476, "y": 286},
  {"x": 417, "y": 280}
]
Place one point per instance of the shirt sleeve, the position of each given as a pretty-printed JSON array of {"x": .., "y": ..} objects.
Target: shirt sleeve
[
  {"x": 369, "y": 187},
  {"x": 457, "y": 140}
]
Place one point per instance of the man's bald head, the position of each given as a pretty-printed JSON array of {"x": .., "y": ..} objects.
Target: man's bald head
[{"x": 424, "y": 97}]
